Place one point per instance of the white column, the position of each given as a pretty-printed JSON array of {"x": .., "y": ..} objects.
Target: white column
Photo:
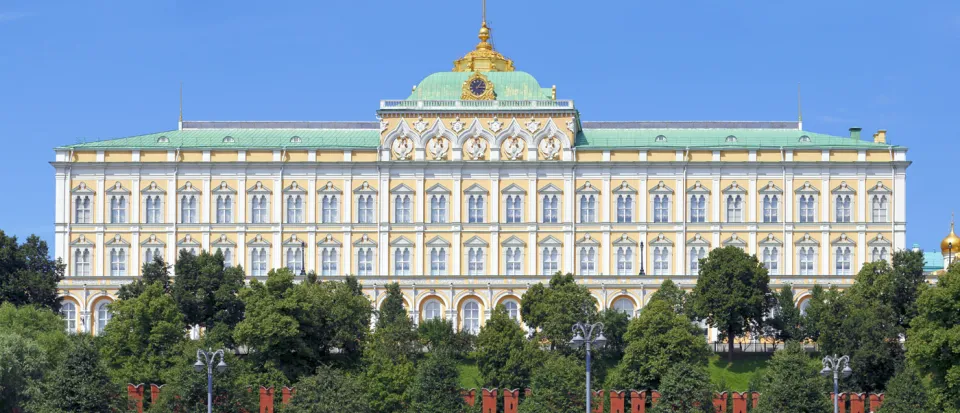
[
  {"x": 419, "y": 200},
  {"x": 347, "y": 255},
  {"x": 456, "y": 251},
  {"x": 172, "y": 201},
  {"x": 205, "y": 201},
  {"x": 862, "y": 199},
  {"x": 825, "y": 199},
  {"x": 752, "y": 187},
  {"x": 644, "y": 198},
  {"x": 532, "y": 252},
  {"x": 133, "y": 211},
  {"x": 241, "y": 201},
  {"x": 100, "y": 197},
  {"x": 605, "y": 199},
  {"x": 100, "y": 270},
  {"x": 346, "y": 215},
  {"x": 456, "y": 204},
  {"x": 532, "y": 200},
  {"x": 311, "y": 207},
  {"x": 310, "y": 255},
  {"x": 789, "y": 251},
  {"x": 825, "y": 251},
  {"x": 494, "y": 204},
  {"x": 419, "y": 255},
  {"x": 716, "y": 198},
  {"x": 605, "y": 252}
]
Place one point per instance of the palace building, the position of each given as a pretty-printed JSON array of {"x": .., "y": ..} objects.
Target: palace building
[{"x": 479, "y": 184}]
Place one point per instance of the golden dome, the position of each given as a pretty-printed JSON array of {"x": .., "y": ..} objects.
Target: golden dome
[
  {"x": 950, "y": 244},
  {"x": 483, "y": 58}
]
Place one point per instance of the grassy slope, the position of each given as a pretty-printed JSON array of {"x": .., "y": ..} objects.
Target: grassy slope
[{"x": 735, "y": 376}]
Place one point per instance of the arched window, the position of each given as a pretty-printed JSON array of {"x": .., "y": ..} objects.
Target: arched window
[
  {"x": 661, "y": 208},
  {"x": 330, "y": 208},
  {"x": 188, "y": 209},
  {"x": 118, "y": 209},
  {"x": 770, "y": 208},
  {"x": 259, "y": 209},
  {"x": 82, "y": 210},
  {"x": 295, "y": 209},
  {"x": 475, "y": 209},
  {"x": 734, "y": 208},
  {"x": 513, "y": 309},
  {"x": 258, "y": 261},
  {"x": 365, "y": 261},
  {"x": 661, "y": 261},
  {"x": 624, "y": 208},
  {"x": 698, "y": 208},
  {"x": 807, "y": 208},
  {"x": 804, "y": 305},
  {"x": 843, "y": 208},
  {"x": 471, "y": 317},
  {"x": 696, "y": 254},
  {"x": 328, "y": 261},
  {"x": 401, "y": 261},
  {"x": 81, "y": 262},
  {"x": 514, "y": 209},
  {"x": 588, "y": 261},
  {"x": 624, "y": 261},
  {"x": 365, "y": 209},
  {"x": 514, "y": 261},
  {"x": 588, "y": 208},
  {"x": 103, "y": 317},
  {"x": 807, "y": 261},
  {"x": 438, "y": 209},
  {"x": 68, "y": 311},
  {"x": 771, "y": 260},
  {"x": 624, "y": 305},
  {"x": 843, "y": 261},
  {"x": 551, "y": 209},
  {"x": 295, "y": 260},
  {"x": 879, "y": 254},
  {"x": 118, "y": 262},
  {"x": 475, "y": 260},
  {"x": 879, "y": 208},
  {"x": 432, "y": 310},
  {"x": 227, "y": 257},
  {"x": 438, "y": 261}
]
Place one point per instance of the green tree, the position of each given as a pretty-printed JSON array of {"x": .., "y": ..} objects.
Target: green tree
[
  {"x": 27, "y": 274},
  {"x": 438, "y": 333},
  {"x": 329, "y": 391},
  {"x": 615, "y": 324},
  {"x": 905, "y": 394},
  {"x": 685, "y": 389},
  {"x": 504, "y": 356},
  {"x": 144, "y": 338},
  {"x": 396, "y": 334},
  {"x": 657, "y": 340},
  {"x": 672, "y": 294},
  {"x": 292, "y": 327},
  {"x": 863, "y": 323},
  {"x": 908, "y": 283},
  {"x": 732, "y": 292},
  {"x": 552, "y": 310},
  {"x": 557, "y": 386},
  {"x": 387, "y": 372},
  {"x": 22, "y": 364},
  {"x": 186, "y": 389},
  {"x": 818, "y": 312},
  {"x": 391, "y": 310},
  {"x": 156, "y": 271},
  {"x": 79, "y": 384},
  {"x": 207, "y": 293},
  {"x": 436, "y": 387},
  {"x": 785, "y": 325},
  {"x": 39, "y": 324},
  {"x": 933, "y": 341},
  {"x": 792, "y": 383}
]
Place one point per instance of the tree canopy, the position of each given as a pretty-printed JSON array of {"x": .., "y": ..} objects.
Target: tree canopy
[
  {"x": 324, "y": 392},
  {"x": 656, "y": 340},
  {"x": 553, "y": 309},
  {"x": 156, "y": 271},
  {"x": 792, "y": 383},
  {"x": 27, "y": 274},
  {"x": 557, "y": 386},
  {"x": 504, "y": 356},
  {"x": 785, "y": 325},
  {"x": 685, "y": 389},
  {"x": 207, "y": 293},
  {"x": 672, "y": 294},
  {"x": 79, "y": 384},
  {"x": 933, "y": 341},
  {"x": 732, "y": 293}
]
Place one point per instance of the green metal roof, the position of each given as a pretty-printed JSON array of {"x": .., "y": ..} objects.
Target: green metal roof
[
  {"x": 507, "y": 86},
  {"x": 603, "y": 138},
  {"x": 243, "y": 139}
]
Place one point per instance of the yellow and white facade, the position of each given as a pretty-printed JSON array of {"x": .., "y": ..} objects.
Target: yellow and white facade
[{"x": 478, "y": 185}]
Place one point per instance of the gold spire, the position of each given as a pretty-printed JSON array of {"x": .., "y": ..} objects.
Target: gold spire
[
  {"x": 950, "y": 244},
  {"x": 484, "y": 58}
]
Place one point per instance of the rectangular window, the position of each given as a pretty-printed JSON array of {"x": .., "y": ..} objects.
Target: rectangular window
[
  {"x": 188, "y": 209},
  {"x": 328, "y": 261},
  {"x": 258, "y": 261},
  {"x": 624, "y": 261},
  {"x": 295, "y": 209},
  {"x": 118, "y": 209},
  {"x": 661, "y": 261},
  {"x": 438, "y": 261},
  {"x": 734, "y": 208},
  {"x": 258, "y": 209},
  {"x": 118, "y": 262},
  {"x": 661, "y": 208},
  {"x": 807, "y": 208},
  {"x": 82, "y": 210},
  {"x": 365, "y": 261},
  {"x": 771, "y": 260},
  {"x": 154, "y": 208},
  {"x": 771, "y": 206},
  {"x": 514, "y": 209},
  {"x": 879, "y": 208},
  {"x": 588, "y": 209},
  {"x": 224, "y": 209},
  {"x": 588, "y": 261},
  {"x": 365, "y": 209},
  {"x": 514, "y": 261},
  {"x": 438, "y": 209},
  {"x": 401, "y": 261},
  {"x": 402, "y": 207},
  {"x": 624, "y": 208},
  {"x": 696, "y": 254},
  {"x": 807, "y": 261},
  {"x": 843, "y": 208},
  {"x": 698, "y": 208}
]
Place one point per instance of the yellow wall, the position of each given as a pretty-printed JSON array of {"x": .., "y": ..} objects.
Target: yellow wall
[
  {"x": 769, "y": 156},
  {"x": 153, "y": 156},
  {"x": 191, "y": 156},
  {"x": 299, "y": 156},
  {"x": 329, "y": 156},
  {"x": 84, "y": 156},
  {"x": 701, "y": 156},
  {"x": 589, "y": 156},
  {"x": 259, "y": 156},
  {"x": 843, "y": 156},
  {"x": 624, "y": 156},
  {"x": 734, "y": 156},
  {"x": 662, "y": 156},
  {"x": 364, "y": 156},
  {"x": 117, "y": 156},
  {"x": 807, "y": 156},
  {"x": 223, "y": 156},
  {"x": 878, "y": 156}
]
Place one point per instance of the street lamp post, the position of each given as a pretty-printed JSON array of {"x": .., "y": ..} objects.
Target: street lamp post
[
  {"x": 641, "y": 258},
  {"x": 839, "y": 366},
  {"x": 205, "y": 359},
  {"x": 583, "y": 334}
]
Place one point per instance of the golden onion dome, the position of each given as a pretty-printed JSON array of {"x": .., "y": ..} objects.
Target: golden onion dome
[
  {"x": 483, "y": 58},
  {"x": 950, "y": 244}
]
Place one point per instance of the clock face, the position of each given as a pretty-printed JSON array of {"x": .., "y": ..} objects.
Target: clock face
[{"x": 478, "y": 86}]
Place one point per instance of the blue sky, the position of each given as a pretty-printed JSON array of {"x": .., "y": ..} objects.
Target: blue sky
[{"x": 73, "y": 70}]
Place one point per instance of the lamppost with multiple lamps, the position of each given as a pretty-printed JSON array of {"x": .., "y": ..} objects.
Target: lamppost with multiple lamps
[
  {"x": 588, "y": 335},
  {"x": 206, "y": 359},
  {"x": 838, "y": 366}
]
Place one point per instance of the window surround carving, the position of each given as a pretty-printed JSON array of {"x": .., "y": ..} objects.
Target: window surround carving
[
  {"x": 403, "y": 213},
  {"x": 83, "y": 214},
  {"x": 662, "y": 214},
  {"x": 189, "y": 200},
  {"x": 290, "y": 194},
  {"x": 807, "y": 243},
  {"x": 152, "y": 247},
  {"x": 295, "y": 252},
  {"x": 807, "y": 191},
  {"x": 441, "y": 248},
  {"x": 367, "y": 212},
  {"x": 118, "y": 253},
  {"x": 329, "y": 248},
  {"x": 736, "y": 241},
  {"x": 550, "y": 244},
  {"x": 189, "y": 244},
  {"x": 263, "y": 194},
  {"x": 479, "y": 246},
  {"x": 364, "y": 247},
  {"x": 407, "y": 248},
  {"x": 776, "y": 246},
  {"x": 699, "y": 245},
  {"x": 224, "y": 244},
  {"x": 663, "y": 244},
  {"x": 775, "y": 193},
  {"x": 262, "y": 246},
  {"x": 849, "y": 247},
  {"x": 512, "y": 192},
  {"x": 82, "y": 247},
  {"x": 122, "y": 208},
  {"x": 224, "y": 198},
  {"x": 695, "y": 213},
  {"x": 516, "y": 246},
  {"x": 880, "y": 193},
  {"x": 629, "y": 247},
  {"x": 551, "y": 192},
  {"x": 733, "y": 194},
  {"x": 439, "y": 199},
  {"x": 846, "y": 192},
  {"x": 879, "y": 248},
  {"x": 589, "y": 194}
]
